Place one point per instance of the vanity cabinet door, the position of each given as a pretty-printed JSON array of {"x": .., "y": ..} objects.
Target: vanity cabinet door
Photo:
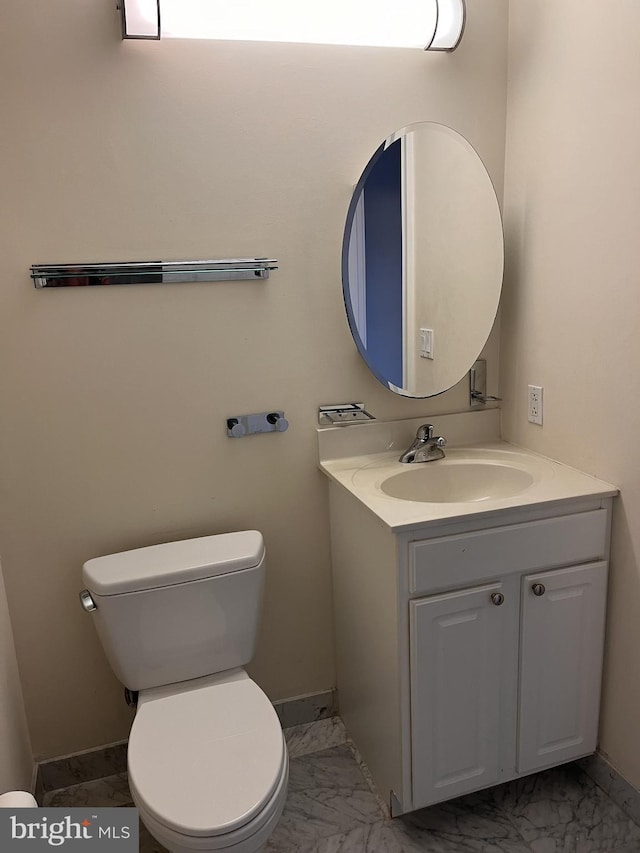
[
  {"x": 561, "y": 649},
  {"x": 456, "y": 648}
]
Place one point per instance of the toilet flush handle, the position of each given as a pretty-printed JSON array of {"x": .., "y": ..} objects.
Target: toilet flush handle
[{"x": 87, "y": 602}]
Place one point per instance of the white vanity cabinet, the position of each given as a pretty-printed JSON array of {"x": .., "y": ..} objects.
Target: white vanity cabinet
[
  {"x": 465, "y": 686},
  {"x": 561, "y": 645},
  {"x": 458, "y": 674},
  {"x": 469, "y": 651}
]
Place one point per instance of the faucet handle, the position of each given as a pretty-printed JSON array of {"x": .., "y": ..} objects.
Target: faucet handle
[{"x": 425, "y": 432}]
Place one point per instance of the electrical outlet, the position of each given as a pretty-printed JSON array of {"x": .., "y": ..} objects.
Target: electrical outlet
[{"x": 534, "y": 413}]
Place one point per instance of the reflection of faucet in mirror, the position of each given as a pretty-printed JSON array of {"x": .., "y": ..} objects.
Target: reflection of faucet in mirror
[{"x": 426, "y": 447}]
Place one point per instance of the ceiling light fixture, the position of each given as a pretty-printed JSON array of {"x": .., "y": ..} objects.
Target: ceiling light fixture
[
  {"x": 426, "y": 24},
  {"x": 140, "y": 19},
  {"x": 449, "y": 25}
]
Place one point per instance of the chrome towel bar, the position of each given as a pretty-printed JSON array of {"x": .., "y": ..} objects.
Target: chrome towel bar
[{"x": 151, "y": 272}]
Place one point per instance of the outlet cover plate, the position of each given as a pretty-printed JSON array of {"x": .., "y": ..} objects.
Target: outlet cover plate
[{"x": 534, "y": 408}]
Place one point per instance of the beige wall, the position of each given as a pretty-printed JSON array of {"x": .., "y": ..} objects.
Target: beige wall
[
  {"x": 571, "y": 304},
  {"x": 16, "y": 761},
  {"x": 114, "y": 399}
]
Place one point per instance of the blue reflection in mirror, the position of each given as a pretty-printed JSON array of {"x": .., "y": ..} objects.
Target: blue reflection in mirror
[{"x": 372, "y": 265}]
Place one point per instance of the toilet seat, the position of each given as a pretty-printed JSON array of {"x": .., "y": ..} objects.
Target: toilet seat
[
  {"x": 250, "y": 838},
  {"x": 207, "y": 757}
]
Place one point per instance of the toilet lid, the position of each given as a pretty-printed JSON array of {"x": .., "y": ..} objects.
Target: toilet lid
[{"x": 206, "y": 760}]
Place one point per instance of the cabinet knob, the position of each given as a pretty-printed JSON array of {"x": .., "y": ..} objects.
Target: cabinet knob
[
  {"x": 538, "y": 588},
  {"x": 497, "y": 598}
]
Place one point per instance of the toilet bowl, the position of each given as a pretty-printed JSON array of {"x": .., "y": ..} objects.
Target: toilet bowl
[
  {"x": 219, "y": 782},
  {"x": 207, "y": 760},
  {"x": 250, "y": 838},
  {"x": 17, "y": 800}
]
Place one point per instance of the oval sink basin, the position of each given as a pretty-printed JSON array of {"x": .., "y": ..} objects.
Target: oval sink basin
[{"x": 456, "y": 482}]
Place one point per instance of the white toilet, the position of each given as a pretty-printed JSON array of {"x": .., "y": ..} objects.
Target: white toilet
[
  {"x": 18, "y": 800},
  {"x": 207, "y": 760}
]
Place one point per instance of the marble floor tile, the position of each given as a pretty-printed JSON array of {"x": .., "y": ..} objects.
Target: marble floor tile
[
  {"x": 613, "y": 784},
  {"x": 83, "y": 767},
  {"x": 327, "y": 796},
  {"x": 378, "y": 837},
  {"x": 564, "y": 811},
  {"x": 331, "y": 808},
  {"x": 384, "y": 806},
  {"x": 147, "y": 843},
  {"x": 312, "y": 737},
  {"x": 404, "y": 836},
  {"x": 111, "y": 791},
  {"x": 471, "y": 824},
  {"x": 306, "y": 709}
]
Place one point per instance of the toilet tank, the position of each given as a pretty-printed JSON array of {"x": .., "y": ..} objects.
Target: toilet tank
[{"x": 178, "y": 611}]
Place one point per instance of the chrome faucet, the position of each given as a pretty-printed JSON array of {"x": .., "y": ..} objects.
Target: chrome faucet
[{"x": 426, "y": 447}]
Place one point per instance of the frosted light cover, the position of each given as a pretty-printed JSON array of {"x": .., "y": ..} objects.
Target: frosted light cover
[
  {"x": 450, "y": 25},
  {"x": 404, "y": 23},
  {"x": 140, "y": 19}
]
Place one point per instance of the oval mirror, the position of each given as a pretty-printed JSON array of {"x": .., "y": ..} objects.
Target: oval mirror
[{"x": 422, "y": 260}]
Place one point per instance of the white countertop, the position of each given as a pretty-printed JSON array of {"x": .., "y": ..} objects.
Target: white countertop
[{"x": 548, "y": 482}]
